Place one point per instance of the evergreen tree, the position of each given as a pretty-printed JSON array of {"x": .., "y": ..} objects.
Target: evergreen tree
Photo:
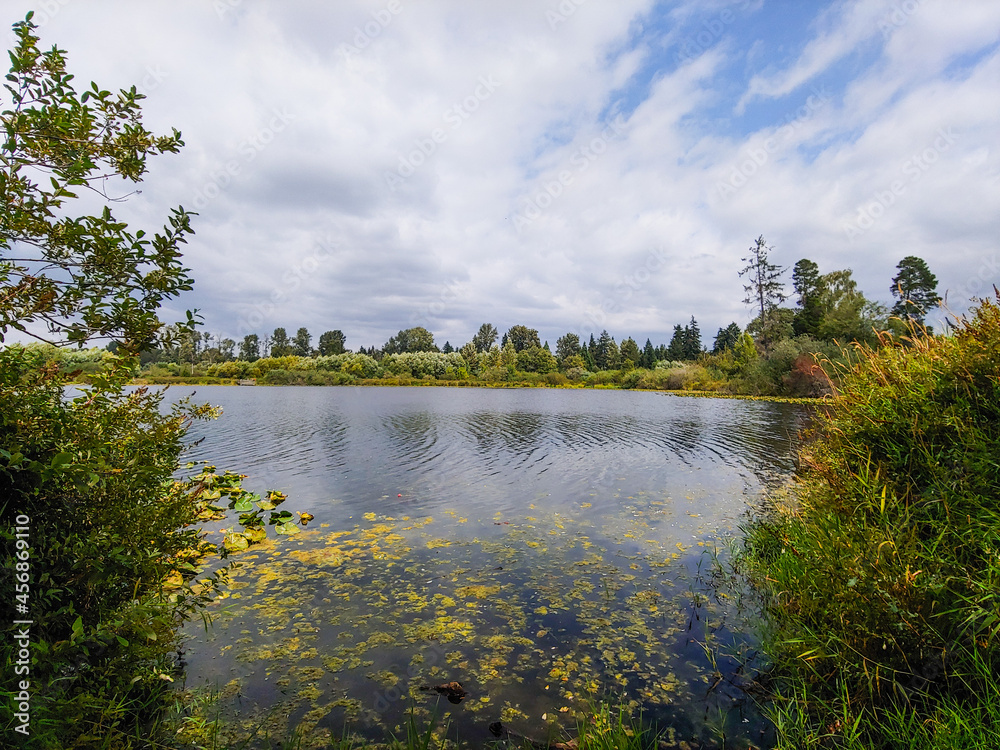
[
  {"x": 587, "y": 354},
  {"x": 447, "y": 348},
  {"x": 630, "y": 354},
  {"x": 808, "y": 286},
  {"x": 614, "y": 357},
  {"x": 764, "y": 290},
  {"x": 692, "y": 340},
  {"x": 332, "y": 342},
  {"x": 914, "y": 287},
  {"x": 602, "y": 353},
  {"x": 675, "y": 350},
  {"x": 592, "y": 348},
  {"x": 648, "y": 357},
  {"x": 471, "y": 357},
  {"x": 726, "y": 338},
  {"x": 302, "y": 343}
]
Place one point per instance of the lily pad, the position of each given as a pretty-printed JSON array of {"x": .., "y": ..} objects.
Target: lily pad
[
  {"x": 255, "y": 534},
  {"x": 243, "y": 505},
  {"x": 288, "y": 528},
  {"x": 234, "y": 542}
]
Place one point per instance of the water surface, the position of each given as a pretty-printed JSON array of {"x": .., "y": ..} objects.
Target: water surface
[{"x": 545, "y": 548}]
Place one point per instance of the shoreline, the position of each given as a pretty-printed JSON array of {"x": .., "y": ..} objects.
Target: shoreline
[{"x": 368, "y": 383}]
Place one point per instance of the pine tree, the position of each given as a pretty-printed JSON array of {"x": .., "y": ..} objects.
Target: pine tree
[
  {"x": 648, "y": 357},
  {"x": 808, "y": 286},
  {"x": 692, "y": 340},
  {"x": 915, "y": 287},
  {"x": 606, "y": 354},
  {"x": 631, "y": 356},
  {"x": 764, "y": 291},
  {"x": 726, "y": 338},
  {"x": 675, "y": 350}
]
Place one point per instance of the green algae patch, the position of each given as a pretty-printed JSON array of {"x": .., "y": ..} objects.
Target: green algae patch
[{"x": 349, "y": 625}]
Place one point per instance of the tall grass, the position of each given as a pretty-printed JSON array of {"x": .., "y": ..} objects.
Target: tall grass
[{"x": 882, "y": 576}]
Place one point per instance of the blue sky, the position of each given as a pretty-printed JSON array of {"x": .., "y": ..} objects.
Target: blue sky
[{"x": 570, "y": 165}]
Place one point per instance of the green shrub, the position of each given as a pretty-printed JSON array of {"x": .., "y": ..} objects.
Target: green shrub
[
  {"x": 882, "y": 576},
  {"x": 113, "y": 546}
]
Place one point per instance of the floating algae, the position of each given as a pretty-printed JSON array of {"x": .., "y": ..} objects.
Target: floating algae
[{"x": 532, "y": 619}]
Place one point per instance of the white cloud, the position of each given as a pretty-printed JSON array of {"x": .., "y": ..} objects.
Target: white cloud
[{"x": 635, "y": 237}]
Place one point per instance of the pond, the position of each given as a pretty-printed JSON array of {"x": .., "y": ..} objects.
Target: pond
[{"x": 545, "y": 548}]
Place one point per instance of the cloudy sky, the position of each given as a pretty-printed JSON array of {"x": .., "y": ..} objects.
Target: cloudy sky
[{"x": 571, "y": 166}]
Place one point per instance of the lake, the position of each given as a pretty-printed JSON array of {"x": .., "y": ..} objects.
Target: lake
[{"x": 545, "y": 548}]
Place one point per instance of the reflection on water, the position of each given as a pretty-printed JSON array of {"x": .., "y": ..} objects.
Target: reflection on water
[{"x": 543, "y": 547}]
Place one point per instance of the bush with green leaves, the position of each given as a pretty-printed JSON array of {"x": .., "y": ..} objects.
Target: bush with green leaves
[
  {"x": 422, "y": 364},
  {"x": 881, "y": 576},
  {"x": 114, "y": 553}
]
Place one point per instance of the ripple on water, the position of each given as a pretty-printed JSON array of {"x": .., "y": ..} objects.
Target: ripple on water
[{"x": 543, "y": 547}]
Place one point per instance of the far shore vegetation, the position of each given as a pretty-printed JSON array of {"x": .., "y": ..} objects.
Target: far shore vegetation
[{"x": 784, "y": 352}]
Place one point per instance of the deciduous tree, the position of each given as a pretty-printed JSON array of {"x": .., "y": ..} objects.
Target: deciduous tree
[
  {"x": 302, "y": 343},
  {"x": 281, "y": 345},
  {"x": 485, "y": 337},
  {"x": 522, "y": 338},
  {"x": 417, "y": 339},
  {"x": 332, "y": 343},
  {"x": 250, "y": 348}
]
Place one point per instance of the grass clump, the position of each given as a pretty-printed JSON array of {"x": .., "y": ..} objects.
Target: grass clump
[{"x": 881, "y": 574}]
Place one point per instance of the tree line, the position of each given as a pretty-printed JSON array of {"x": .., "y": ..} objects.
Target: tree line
[{"x": 829, "y": 307}]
